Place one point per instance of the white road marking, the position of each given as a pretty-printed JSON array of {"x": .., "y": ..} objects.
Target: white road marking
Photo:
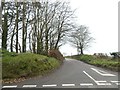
[
  {"x": 86, "y": 84},
  {"x": 14, "y": 86},
  {"x": 116, "y": 82},
  {"x": 89, "y": 76},
  {"x": 52, "y": 85},
  {"x": 103, "y": 83},
  {"x": 103, "y": 74},
  {"x": 29, "y": 86},
  {"x": 97, "y": 82},
  {"x": 68, "y": 84}
]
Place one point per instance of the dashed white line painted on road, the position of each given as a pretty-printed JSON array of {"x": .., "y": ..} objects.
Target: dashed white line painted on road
[
  {"x": 86, "y": 84},
  {"x": 29, "y": 86},
  {"x": 97, "y": 82},
  {"x": 52, "y": 85},
  {"x": 103, "y": 83},
  {"x": 103, "y": 74},
  {"x": 68, "y": 84},
  {"x": 13, "y": 86}
]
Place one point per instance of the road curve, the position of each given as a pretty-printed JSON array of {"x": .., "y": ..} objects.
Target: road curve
[{"x": 72, "y": 74}]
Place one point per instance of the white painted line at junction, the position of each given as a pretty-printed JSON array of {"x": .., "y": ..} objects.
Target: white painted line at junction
[
  {"x": 13, "y": 86},
  {"x": 89, "y": 76},
  {"x": 52, "y": 85},
  {"x": 103, "y": 83},
  {"x": 68, "y": 84},
  {"x": 115, "y": 81},
  {"x": 103, "y": 74},
  {"x": 86, "y": 84},
  {"x": 97, "y": 82},
  {"x": 29, "y": 86}
]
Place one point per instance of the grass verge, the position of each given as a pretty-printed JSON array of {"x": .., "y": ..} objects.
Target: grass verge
[
  {"x": 108, "y": 63},
  {"x": 25, "y": 65}
]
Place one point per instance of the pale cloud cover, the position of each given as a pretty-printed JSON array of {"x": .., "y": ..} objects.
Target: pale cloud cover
[{"x": 101, "y": 16}]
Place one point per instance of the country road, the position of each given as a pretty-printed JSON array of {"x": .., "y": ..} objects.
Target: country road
[{"x": 72, "y": 74}]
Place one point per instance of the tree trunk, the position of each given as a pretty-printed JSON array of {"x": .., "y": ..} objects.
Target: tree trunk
[
  {"x": 11, "y": 45},
  {"x": 46, "y": 42},
  {"x": 17, "y": 28},
  {"x": 58, "y": 39},
  {"x": 19, "y": 48},
  {"x": 23, "y": 32},
  {"x": 34, "y": 38},
  {"x": 38, "y": 45},
  {"x": 30, "y": 41},
  {"x": 46, "y": 33},
  {"x": 81, "y": 50},
  {"x": 5, "y": 32}
]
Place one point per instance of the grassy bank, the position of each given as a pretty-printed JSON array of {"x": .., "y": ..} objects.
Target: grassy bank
[
  {"x": 26, "y": 65},
  {"x": 105, "y": 62}
]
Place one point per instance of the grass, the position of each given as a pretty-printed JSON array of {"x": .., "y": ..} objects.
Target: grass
[
  {"x": 105, "y": 62},
  {"x": 26, "y": 65}
]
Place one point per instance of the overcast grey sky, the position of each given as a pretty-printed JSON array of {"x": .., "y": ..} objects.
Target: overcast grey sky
[{"x": 101, "y": 16}]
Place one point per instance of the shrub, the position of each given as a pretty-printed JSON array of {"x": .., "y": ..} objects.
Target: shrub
[
  {"x": 56, "y": 54},
  {"x": 86, "y": 58}
]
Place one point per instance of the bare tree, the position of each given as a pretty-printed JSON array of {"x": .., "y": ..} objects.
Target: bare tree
[
  {"x": 61, "y": 24},
  {"x": 80, "y": 38},
  {"x": 35, "y": 26}
]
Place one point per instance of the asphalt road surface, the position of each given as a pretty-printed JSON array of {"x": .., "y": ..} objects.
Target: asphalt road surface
[{"x": 72, "y": 74}]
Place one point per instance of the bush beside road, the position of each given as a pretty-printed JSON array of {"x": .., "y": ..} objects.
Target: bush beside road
[
  {"x": 26, "y": 65},
  {"x": 105, "y": 62}
]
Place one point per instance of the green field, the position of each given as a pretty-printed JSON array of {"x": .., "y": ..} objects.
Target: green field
[
  {"x": 105, "y": 62},
  {"x": 26, "y": 65}
]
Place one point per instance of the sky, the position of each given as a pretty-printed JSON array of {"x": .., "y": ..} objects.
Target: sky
[{"x": 101, "y": 16}]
